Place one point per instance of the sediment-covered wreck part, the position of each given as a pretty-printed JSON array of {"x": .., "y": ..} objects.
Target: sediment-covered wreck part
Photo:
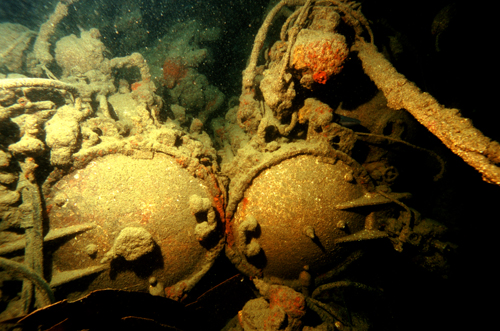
[
  {"x": 77, "y": 55},
  {"x": 280, "y": 227},
  {"x": 120, "y": 173},
  {"x": 136, "y": 234},
  {"x": 72, "y": 126}
]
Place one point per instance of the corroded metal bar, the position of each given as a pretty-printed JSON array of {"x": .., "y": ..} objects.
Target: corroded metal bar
[
  {"x": 36, "y": 82},
  {"x": 456, "y": 132}
]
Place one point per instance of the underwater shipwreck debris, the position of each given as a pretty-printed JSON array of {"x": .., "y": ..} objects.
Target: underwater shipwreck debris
[
  {"x": 41, "y": 50},
  {"x": 73, "y": 127},
  {"x": 455, "y": 131},
  {"x": 115, "y": 177},
  {"x": 298, "y": 162}
]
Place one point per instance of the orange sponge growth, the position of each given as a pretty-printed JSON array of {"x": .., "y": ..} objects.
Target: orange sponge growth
[
  {"x": 173, "y": 71},
  {"x": 319, "y": 54}
]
